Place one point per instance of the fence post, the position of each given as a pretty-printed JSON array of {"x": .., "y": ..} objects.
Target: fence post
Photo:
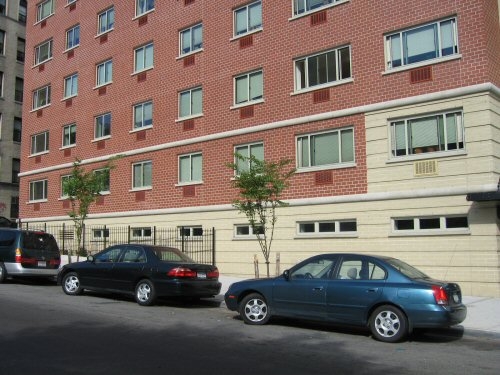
[
  {"x": 128, "y": 235},
  {"x": 182, "y": 239},
  {"x": 84, "y": 251},
  {"x": 104, "y": 235},
  {"x": 213, "y": 246},
  {"x": 154, "y": 235},
  {"x": 63, "y": 237}
]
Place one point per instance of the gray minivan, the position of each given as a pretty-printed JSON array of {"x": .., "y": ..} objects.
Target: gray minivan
[{"x": 28, "y": 253}]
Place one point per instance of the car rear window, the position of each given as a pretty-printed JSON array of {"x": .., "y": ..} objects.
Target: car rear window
[
  {"x": 39, "y": 241},
  {"x": 7, "y": 237},
  {"x": 169, "y": 254}
]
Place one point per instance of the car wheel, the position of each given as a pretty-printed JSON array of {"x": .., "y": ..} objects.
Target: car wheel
[
  {"x": 3, "y": 273},
  {"x": 71, "y": 284},
  {"x": 254, "y": 309},
  {"x": 388, "y": 324},
  {"x": 145, "y": 294}
]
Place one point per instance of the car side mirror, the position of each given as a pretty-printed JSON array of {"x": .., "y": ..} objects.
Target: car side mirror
[
  {"x": 90, "y": 258},
  {"x": 286, "y": 275}
]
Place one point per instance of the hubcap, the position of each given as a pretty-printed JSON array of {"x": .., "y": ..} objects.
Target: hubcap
[
  {"x": 387, "y": 323},
  {"x": 256, "y": 310},
  {"x": 71, "y": 284},
  {"x": 143, "y": 292}
]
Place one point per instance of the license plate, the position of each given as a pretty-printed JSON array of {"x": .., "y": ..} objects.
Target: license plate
[
  {"x": 42, "y": 264},
  {"x": 202, "y": 275}
]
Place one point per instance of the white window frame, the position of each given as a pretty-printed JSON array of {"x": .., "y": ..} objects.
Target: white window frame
[
  {"x": 107, "y": 68},
  {"x": 143, "y": 7},
  {"x": 71, "y": 41},
  {"x": 98, "y": 235},
  {"x": 438, "y": 145},
  {"x": 339, "y": 164},
  {"x": 247, "y": 77},
  {"x": 189, "y": 94},
  {"x": 32, "y": 191},
  {"x": 390, "y": 39},
  {"x": 245, "y": 11},
  {"x": 143, "y": 185},
  {"x": 248, "y": 154},
  {"x": 2, "y": 42},
  {"x": 143, "y": 232},
  {"x": 63, "y": 179},
  {"x": 37, "y": 103},
  {"x": 45, "y": 141},
  {"x": 190, "y": 229},
  {"x": 419, "y": 231},
  {"x": 191, "y": 179},
  {"x": 100, "y": 127},
  {"x": 104, "y": 170},
  {"x": 38, "y": 51},
  {"x": 141, "y": 106},
  {"x": 103, "y": 24},
  {"x": 142, "y": 64},
  {"x": 301, "y": 8},
  {"x": 250, "y": 235},
  {"x": 301, "y": 70},
  {"x": 66, "y": 137},
  {"x": 71, "y": 83},
  {"x": 192, "y": 48},
  {"x": 337, "y": 231},
  {"x": 40, "y": 10}
]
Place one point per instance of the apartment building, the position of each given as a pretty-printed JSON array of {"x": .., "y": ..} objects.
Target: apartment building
[
  {"x": 12, "y": 46},
  {"x": 390, "y": 111}
]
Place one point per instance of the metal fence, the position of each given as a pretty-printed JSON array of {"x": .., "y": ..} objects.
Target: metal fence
[{"x": 198, "y": 243}]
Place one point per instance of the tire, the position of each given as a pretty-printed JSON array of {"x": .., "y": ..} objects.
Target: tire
[
  {"x": 71, "y": 284},
  {"x": 254, "y": 309},
  {"x": 3, "y": 273},
  {"x": 388, "y": 324},
  {"x": 145, "y": 294}
]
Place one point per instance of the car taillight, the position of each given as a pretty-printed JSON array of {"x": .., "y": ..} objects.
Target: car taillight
[
  {"x": 55, "y": 262},
  {"x": 181, "y": 272},
  {"x": 213, "y": 274},
  {"x": 440, "y": 295},
  {"x": 20, "y": 259},
  {"x": 18, "y": 256}
]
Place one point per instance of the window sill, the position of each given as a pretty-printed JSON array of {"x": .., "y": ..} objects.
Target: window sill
[
  {"x": 180, "y": 57},
  {"x": 421, "y": 64},
  {"x": 140, "y": 129},
  {"x": 69, "y": 97},
  {"x": 42, "y": 62},
  {"x": 246, "y": 104},
  {"x": 43, "y": 19},
  {"x": 323, "y": 235},
  {"x": 431, "y": 233},
  {"x": 100, "y": 139},
  {"x": 181, "y": 119},
  {"x": 101, "y": 86},
  {"x": 326, "y": 167},
  {"x": 137, "y": 16},
  {"x": 305, "y": 14},
  {"x": 70, "y": 49},
  {"x": 188, "y": 183},
  {"x": 141, "y": 71},
  {"x": 428, "y": 155},
  {"x": 103, "y": 33},
  {"x": 145, "y": 188},
  {"x": 323, "y": 86},
  {"x": 39, "y": 108},
  {"x": 38, "y": 154},
  {"x": 66, "y": 147},
  {"x": 38, "y": 201},
  {"x": 239, "y": 36}
]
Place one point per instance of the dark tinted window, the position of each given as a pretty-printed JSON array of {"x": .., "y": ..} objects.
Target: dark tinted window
[
  {"x": 7, "y": 237},
  {"x": 39, "y": 241},
  {"x": 169, "y": 254}
]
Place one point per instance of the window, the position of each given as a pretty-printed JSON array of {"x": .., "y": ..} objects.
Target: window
[
  {"x": 143, "y": 58},
  {"x": 106, "y": 21},
  {"x": 64, "y": 182},
  {"x": 190, "y": 168},
  {"x": 191, "y": 102},
  {"x": 134, "y": 255},
  {"x": 102, "y": 126},
  {"x": 253, "y": 149},
  {"x": 43, "y": 52},
  {"x": 44, "y": 10},
  {"x": 23, "y": 6},
  {"x": 71, "y": 1},
  {"x": 143, "y": 115},
  {"x": 143, "y": 6},
  {"x": 2, "y": 42},
  {"x": 323, "y": 69},
  {"x": 248, "y": 87},
  {"x": 19, "y": 91},
  {"x": 428, "y": 42},
  {"x": 41, "y": 97},
  {"x": 73, "y": 37},
  {"x": 440, "y": 132},
  {"x": 248, "y": 18},
  {"x": 38, "y": 190},
  {"x": 71, "y": 86},
  {"x": 21, "y": 45},
  {"x": 69, "y": 135},
  {"x": 16, "y": 168},
  {"x": 191, "y": 39},
  {"x": 427, "y": 225},
  {"x": 325, "y": 149},
  {"x": 317, "y": 268},
  {"x": 192, "y": 231},
  {"x": 14, "y": 206},
  {"x": 141, "y": 232},
  {"x": 3, "y": 6},
  {"x": 18, "y": 127},
  {"x": 39, "y": 143},
  {"x": 326, "y": 228},
  {"x": 100, "y": 234},
  {"x": 104, "y": 175},
  {"x": 306, "y": 6},
  {"x": 355, "y": 268},
  {"x": 104, "y": 73},
  {"x": 142, "y": 175},
  {"x": 1, "y": 83},
  {"x": 246, "y": 230}
]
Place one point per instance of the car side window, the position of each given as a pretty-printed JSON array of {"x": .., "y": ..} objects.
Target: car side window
[
  {"x": 316, "y": 269},
  {"x": 107, "y": 256},
  {"x": 7, "y": 238},
  {"x": 360, "y": 269},
  {"x": 134, "y": 255}
]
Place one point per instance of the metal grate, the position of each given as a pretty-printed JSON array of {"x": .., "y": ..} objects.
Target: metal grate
[
  {"x": 188, "y": 61},
  {"x": 321, "y": 96},
  {"x": 246, "y": 112},
  {"x": 426, "y": 168},
  {"x": 318, "y": 18},
  {"x": 189, "y": 191},
  {"x": 188, "y": 125},
  {"x": 246, "y": 41},
  {"x": 323, "y": 178},
  {"x": 423, "y": 74}
]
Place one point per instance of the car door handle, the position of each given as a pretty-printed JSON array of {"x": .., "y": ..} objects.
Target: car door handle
[
  {"x": 318, "y": 288},
  {"x": 371, "y": 290}
]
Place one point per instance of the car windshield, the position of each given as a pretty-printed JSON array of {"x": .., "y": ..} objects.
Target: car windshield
[
  {"x": 170, "y": 254},
  {"x": 406, "y": 269}
]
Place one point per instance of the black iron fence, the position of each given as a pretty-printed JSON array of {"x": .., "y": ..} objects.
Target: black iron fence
[{"x": 198, "y": 243}]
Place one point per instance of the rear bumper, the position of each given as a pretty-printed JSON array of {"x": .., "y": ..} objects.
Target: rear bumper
[
  {"x": 16, "y": 269},
  {"x": 174, "y": 288},
  {"x": 440, "y": 317}
]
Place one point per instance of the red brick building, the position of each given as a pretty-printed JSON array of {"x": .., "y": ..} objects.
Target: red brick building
[{"x": 391, "y": 111}]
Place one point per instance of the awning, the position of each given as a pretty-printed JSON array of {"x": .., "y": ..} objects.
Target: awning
[{"x": 484, "y": 197}]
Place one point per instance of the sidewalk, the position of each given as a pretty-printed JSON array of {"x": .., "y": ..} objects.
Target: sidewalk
[{"x": 483, "y": 313}]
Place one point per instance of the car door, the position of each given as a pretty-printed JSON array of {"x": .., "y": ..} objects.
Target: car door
[
  {"x": 302, "y": 293},
  {"x": 97, "y": 273},
  {"x": 357, "y": 283},
  {"x": 129, "y": 268}
]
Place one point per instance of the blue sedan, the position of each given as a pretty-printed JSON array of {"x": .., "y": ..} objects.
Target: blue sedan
[{"x": 385, "y": 294}]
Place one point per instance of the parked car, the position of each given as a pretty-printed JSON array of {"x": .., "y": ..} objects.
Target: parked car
[
  {"x": 6, "y": 223},
  {"x": 25, "y": 253},
  {"x": 144, "y": 271},
  {"x": 385, "y": 294}
]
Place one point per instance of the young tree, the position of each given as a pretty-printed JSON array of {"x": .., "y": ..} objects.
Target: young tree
[
  {"x": 261, "y": 184},
  {"x": 82, "y": 189}
]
